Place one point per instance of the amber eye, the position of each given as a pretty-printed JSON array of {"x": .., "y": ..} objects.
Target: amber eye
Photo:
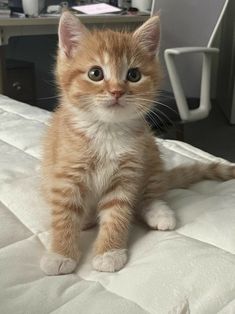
[
  {"x": 133, "y": 75},
  {"x": 96, "y": 74}
]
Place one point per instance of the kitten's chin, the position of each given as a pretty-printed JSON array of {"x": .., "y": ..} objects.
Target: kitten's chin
[{"x": 117, "y": 114}]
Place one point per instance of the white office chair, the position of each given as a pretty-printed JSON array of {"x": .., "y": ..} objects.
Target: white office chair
[{"x": 188, "y": 28}]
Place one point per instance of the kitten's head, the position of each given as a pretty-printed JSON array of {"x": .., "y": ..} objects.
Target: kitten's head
[{"x": 114, "y": 76}]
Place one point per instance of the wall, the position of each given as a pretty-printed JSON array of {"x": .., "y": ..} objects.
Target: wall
[{"x": 226, "y": 72}]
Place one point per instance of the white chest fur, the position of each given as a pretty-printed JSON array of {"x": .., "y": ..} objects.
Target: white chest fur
[
  {"x": 112, "y": 141},
  {"x": 108, "y": 142}
]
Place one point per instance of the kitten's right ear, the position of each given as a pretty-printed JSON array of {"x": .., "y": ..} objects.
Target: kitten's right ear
[{"x": 70, "y": 33}]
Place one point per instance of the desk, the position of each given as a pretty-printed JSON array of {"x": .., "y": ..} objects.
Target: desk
[{"x": 10, "y": 27}]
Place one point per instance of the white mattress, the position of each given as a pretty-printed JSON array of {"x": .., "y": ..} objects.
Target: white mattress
[{"x": 189, "y": 270}]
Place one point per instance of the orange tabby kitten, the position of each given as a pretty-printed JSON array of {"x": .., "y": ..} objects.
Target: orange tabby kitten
[{"x": 101, "y": 163}]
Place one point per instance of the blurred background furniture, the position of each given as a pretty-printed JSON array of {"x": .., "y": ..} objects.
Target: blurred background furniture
[
  {"x": 226, "y": 70},
  {"x": 188, "y": 46},
  {"x": 20, "y": 81}
]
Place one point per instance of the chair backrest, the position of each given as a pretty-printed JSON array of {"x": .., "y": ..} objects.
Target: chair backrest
[{"x": 188, "y": 23}]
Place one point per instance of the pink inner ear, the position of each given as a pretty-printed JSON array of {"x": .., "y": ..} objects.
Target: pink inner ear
[
  {"x": 148, "y": 35},
  {"x": 65, "y": 40},
  {"x": 70, "y": 32},
  {"x": 154, "y": 39}
]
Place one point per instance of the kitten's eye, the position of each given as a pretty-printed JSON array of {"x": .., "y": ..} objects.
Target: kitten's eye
[
  {"x": 96, "y": 74},
  {"x": 133, "y": 75}
]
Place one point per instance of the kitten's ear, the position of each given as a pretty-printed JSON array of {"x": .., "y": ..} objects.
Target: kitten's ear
[
  {"x": 148, "y": 35},
  {"x": 70, "y": 33}
]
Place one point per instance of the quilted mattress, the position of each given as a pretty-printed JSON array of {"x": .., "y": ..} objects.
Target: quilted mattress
[{"x": 189, "y": 270}]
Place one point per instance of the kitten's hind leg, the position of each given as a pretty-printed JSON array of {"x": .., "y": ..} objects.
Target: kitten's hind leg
[
  {"x": 153, "y": 210},
  {"x": 158, "y": 215}
]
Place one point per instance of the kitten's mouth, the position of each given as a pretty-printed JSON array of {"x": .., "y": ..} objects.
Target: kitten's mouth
[{"x": 115, "y": 104}]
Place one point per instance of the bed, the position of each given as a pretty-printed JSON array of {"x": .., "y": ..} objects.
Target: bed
[{"x": 189, "y": 270}]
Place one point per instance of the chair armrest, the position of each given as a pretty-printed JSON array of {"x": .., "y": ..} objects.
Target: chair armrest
[
  {"x": 205, "y": 104},
  {"x": 178, "y": 51}
]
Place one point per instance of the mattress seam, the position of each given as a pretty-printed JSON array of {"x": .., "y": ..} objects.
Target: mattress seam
[
  {"x": 190, "y": 153},
  {"x": 207, "y": 243},
  {"x": 97, "y": 282},
  {"x": 10, "y": 144},
  {"x": 57, "y": 308},
  {"x": 18, "y": 218},
  {"x": 23, "y": 116},
  {"x": 117, "y": 294},
  {"x": 18, "y": 222},
  {"x": 227, "y": 303},
  {"x": 33, "y": 235}
]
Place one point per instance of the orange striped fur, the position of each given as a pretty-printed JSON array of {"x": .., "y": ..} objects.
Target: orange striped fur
[{"x": 100, "y": 161}]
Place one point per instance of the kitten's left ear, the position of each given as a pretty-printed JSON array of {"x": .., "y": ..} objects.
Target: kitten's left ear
[
  {"x": 148, "y": 35},
  {"x": 71, "y": 31}
]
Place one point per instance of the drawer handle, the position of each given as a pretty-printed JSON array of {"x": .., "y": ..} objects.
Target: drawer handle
[{"x": 17, "y": 86}]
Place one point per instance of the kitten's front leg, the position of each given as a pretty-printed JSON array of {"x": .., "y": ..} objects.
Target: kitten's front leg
[
  {"x": 67, "y": 213},
  {"x": 110, "y": 247},
  {"x": 115, "y": 212}
]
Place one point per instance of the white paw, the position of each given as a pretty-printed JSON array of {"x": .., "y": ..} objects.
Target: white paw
[
  {"x": 159, "y": 216},
  {"x": 53, "y": 264},
  {"x": 110, "y": 261}
]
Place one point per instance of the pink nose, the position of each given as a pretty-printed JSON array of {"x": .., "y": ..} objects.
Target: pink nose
[{"x": 117, "y": 93}]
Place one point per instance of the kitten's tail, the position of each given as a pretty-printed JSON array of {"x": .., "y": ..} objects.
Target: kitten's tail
[{"x": 184, "y": 176}]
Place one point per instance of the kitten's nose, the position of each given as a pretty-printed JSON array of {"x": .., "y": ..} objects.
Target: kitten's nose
[{"x": 117, "y": 93}]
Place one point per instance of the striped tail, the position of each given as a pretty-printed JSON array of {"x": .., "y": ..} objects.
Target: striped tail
[{"x": 184, "y": 176}]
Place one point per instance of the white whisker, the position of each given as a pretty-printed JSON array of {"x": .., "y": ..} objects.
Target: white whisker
[
  {"x": 158, "y": 103},
  {"x": 155, "y": 123},
  {"x": 151, "y": 111}
]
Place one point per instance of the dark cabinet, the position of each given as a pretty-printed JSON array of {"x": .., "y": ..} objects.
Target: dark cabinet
[{"x": 20, "y": 81}]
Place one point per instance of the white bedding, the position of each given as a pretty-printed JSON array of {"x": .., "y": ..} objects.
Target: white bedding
[{"x": 189, "y": 270}]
